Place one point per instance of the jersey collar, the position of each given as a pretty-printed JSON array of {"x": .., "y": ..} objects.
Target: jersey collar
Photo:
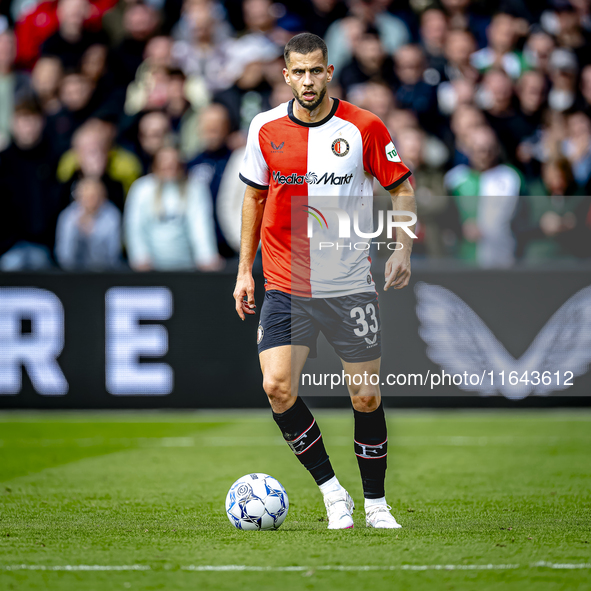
[{"x": 335, "y": 106}]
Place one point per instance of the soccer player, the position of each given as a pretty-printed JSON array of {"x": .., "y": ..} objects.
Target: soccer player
[{"x": 319, "y": 155}]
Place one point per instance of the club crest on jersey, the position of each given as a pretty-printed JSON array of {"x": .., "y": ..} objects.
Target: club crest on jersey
[
  {"x": 340, "y": 147},
  {"x": 392, "y": 153},
  {"x": 260, "y": 334}
]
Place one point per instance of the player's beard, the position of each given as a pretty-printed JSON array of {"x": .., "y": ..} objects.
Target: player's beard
[{"x": 313, "y": 105}]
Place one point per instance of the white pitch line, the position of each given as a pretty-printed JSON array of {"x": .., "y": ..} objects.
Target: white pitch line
[
  {"x": 559, "y": 566},
  {"x": 266, "y": 441},
  {"x": 77, "y": 567},
  {"x": 339, "y": 567},
  {"x": 329, "y": 567}
]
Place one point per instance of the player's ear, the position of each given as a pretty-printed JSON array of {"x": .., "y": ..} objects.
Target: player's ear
[
  {"x": 286, "y": 75},
  {"x": 330, "y": 72}
]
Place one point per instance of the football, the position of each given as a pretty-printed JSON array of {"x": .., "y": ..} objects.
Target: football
[{"x": 257, "y": 501}]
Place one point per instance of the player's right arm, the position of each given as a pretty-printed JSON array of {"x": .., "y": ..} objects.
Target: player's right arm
[
  {"x": 255, "y": 173},
  {"x": 250, "y": 235}
]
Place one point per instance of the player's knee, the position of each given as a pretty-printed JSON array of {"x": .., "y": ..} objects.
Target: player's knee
[
  {"x": 363, "y": 390},
  {"x": 365, "y": 403},
  {"x": 277, "y": 390}
]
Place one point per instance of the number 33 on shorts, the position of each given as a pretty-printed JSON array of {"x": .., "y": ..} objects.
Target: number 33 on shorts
[{"x": 367, "y": 323}]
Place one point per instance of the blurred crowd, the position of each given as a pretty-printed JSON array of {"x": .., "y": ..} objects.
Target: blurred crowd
[{"x": 123, "y": 122}]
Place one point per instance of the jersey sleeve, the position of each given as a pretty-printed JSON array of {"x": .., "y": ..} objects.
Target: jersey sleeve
[
  {"x": 254, "y": 170},
  {"x": 380, "y": 158}
]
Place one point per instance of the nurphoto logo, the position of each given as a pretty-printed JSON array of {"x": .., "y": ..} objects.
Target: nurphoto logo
[{"x": 317, "y": 217}]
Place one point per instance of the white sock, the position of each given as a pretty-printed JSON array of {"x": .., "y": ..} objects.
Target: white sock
[
  {"x": 329, "y": 486},
  {"x": 369, "y": 503}
]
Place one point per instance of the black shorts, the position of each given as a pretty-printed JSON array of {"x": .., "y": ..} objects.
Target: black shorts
[{"x": 351, "y": 324}]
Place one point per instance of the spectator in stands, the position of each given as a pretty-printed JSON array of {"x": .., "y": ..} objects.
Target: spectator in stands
[
  {"x": 464, "y": 121},
  {"x": 413, "y": 92},
  {"x": 167, "y": 90},
  {"x": 320, "y": 14},
  {"x": 538, "y": 49},
  {"x": 158, "y": 85},
  {"x": 183, "y": 118},
  {"x": 412, "y": 146},
  {"x": 121, "y": 167},
  {"x": 570, "y": 33},
  {"x": 563, "y": 69},
  {"x": 152, "y": 95},
  {"x": 149, "y": 89},
  {"x": 499, "y": 104},
  {"x": 454, "y": 94},
  {"x": 259, "y": 18},
  {"x": 30, "y": 194},
  {"x": 556, "y": 179},
  {"x": 248, "y": 96},
  {"x": 282, "y": 93},
  {"x": 208, "y": 167},
  {"x": 583, "y": 11},
  {"x": 544, "y": 144},
  {"x": 14, "y": 85},
  {"x": 429, "y": 191},
  {"x": 434, "y": 152},
  {"x": 203, "y": 47},
  {"x": 260, "y": 41},
  {"x": 373, "y": 96},
  {"x": 90, "y": 156},
  {"x": 500, "y": 51},
  {"x": 342, "y": 34},
  {"x": 37, "y": 25},
  {"x": 433, "y": 33},
  {"x": 369, "y": 63},
  {"x": 206, "y": 14},
  {"x": 46, "y": 78},
  {"x": 584, "y": 103},
  {"x": 531, "y": 92},
  {"x": 169, "y": 220},
  {"x": 399, "y": 120},
  {"x": 459, "y": 16},
  {"x": 577, "y": 146},
  {"x": 88, "y": 235},
  {"x": 71, "y": 39},
  {"x": 459, "y": 46},
  {"x": 75, "y": 96},
  {"x": 93, "y": 63},
  {"x": 140, "y": 22},
  {"x": 552, "y": 222},
  {"x": 229, "y": 200},
  {"x": 486, "y": 234},
  {"x": 107, "y": 100},
  {"x": 153, "y": 133}
]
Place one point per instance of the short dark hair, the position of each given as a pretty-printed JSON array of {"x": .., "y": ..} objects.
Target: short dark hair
[
  {"x": 28, "y": 106},
  {"x": 305, "y": 43}
]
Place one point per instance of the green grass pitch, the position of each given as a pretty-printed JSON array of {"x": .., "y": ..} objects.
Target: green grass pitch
[{"x": 487, "y": 500}]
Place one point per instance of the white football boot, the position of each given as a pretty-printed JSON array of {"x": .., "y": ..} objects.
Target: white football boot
[
  {"x": 339, "y": 506},
  {"x": 379, "y": 516}
]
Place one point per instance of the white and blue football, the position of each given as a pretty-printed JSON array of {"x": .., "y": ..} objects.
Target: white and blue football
[{"x": 257, "y": 501}]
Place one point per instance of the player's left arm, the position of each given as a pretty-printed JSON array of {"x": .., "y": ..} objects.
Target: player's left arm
[
  {"x": 382, "y": 161},
  {"x": 398, "y": 265}
]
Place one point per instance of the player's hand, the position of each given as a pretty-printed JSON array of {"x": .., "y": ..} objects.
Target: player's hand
[
  {"x": 244, "y": 289},
  {"x": 397, "y": 270}
]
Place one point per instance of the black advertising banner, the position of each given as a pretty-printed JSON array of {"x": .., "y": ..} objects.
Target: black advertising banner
[{"x": 453, "y": 337}]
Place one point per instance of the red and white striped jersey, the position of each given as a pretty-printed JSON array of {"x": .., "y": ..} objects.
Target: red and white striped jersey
[{"x": 318, "y": 169}]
